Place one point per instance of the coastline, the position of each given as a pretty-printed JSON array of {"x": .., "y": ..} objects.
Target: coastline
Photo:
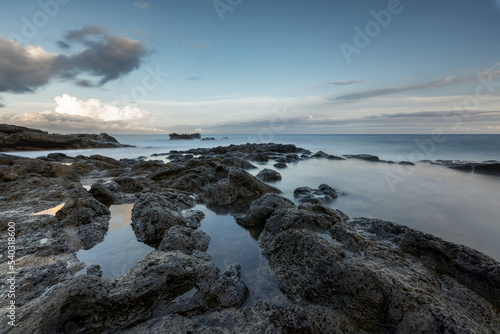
[{"x": 215, "y": 177}]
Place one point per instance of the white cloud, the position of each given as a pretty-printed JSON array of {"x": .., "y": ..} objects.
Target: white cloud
[{"x": 93, "y": 108}]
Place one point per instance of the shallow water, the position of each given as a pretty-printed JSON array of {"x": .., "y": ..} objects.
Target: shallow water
[
  {"x": 120, "y": 250},
  {"x": 456, "y": 206},
  {"x": 229, "y": 244}
]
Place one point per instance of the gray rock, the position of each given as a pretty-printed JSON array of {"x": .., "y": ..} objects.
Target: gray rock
[
  {"x": 239, "y": 184},
  {"x": 262, "y": 208},
  {"x": 384, "y": 277},
  {"x": 324, "y": 194},
  {"x": 152, "y": 215},
  {"x": 193, "y": 218},
  {"x": 94, "y": 270},
  {"x": 184, "y": 239},
  {"x": 268, "y": 175},
  {"x": 280, "y": 165}
]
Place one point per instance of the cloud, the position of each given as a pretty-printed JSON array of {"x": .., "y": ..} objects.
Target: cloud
[
  {"x": 93, "y": 108},
  {"x": 106, "y": 57},
  {"x": 142, "y": 5},
  {"x": 407, "y": 88},
  {"x": 73, "y": 115},
  {"x": 344, "y": 83}
]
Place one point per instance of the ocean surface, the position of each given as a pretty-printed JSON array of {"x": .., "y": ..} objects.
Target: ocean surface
[{"x": 456, "y": 206}]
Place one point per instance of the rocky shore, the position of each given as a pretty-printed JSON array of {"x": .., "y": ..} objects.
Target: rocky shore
[
  {"x": 339, "y": 274},
  {"x": 18, "y": 138}
]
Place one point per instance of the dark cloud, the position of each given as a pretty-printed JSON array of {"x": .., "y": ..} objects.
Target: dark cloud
[
  {"x": 24, "y": 68},
  {"x": 104, "y": 56},
  {"x": 345, "y": 83}
]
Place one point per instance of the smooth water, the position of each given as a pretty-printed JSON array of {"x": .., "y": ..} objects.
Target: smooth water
[{"x": 120, "y": 250}]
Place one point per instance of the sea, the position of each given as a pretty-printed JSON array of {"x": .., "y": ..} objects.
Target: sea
[{"x": 456, "y": 206}]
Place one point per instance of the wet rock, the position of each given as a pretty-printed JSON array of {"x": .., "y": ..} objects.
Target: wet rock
[
  {"x": 103, "y": 194},
  {"x": 184, "y": 239},
  {"x": 268, "y": 175},
  {"x": 239, "y": 184},
  {"x": 86, "y": 221},
  {"x": 259, "y": 157},
  {"x": 406, "y": 163},
  {"x": 262, "y": 208},
  {"x": 320, "y": 154},
  {"x": 280, "y": 165},
  {"x": 367, "y": 157},
  {"x": 94, "y": 270},
  {"x": 155, "y": 286},
  {"x": 384, "y": 277},
  {"x": 134, "y": 184},
  {"x": 208, "y": 138},
  {"x": 193, "y": 218},
  {"x": 492, "y": 169},
  {"x": 152, "y": 215},
  {"x": 324, "y": 194},
  {"x": 334, "y": 157}
]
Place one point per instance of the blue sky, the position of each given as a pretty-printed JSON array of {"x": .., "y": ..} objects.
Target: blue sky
[{"x": 241, "y": 66}]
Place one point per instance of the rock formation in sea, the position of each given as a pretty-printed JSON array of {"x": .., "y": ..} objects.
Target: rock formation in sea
[{"x": 18, "y": 138}]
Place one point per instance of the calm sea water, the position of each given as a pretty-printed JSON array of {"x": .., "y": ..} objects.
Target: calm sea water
[{"x": 456, "y": 206}]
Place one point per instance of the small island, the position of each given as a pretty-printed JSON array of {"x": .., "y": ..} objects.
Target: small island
[{"x": 184, "y": 136}]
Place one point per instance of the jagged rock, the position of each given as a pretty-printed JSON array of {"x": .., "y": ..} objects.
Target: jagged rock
[
  {"x": 161, "y": 283},
  {"x": 152, "y": 215},
  {"x": 184, "y": 239},
  {"x": 269, "y": 175},
  {"x": 324, "y": 194},
  {"x": 239, "y": 184},
  {"x": 193, "y": 218},
  {"x": 94, "y": 270},
  {"x": 18, "y": 138},
  {"x": 103, "y": 194},
  {"x": 262, "y": 208},
  {"x": 384, "y": 277},
  {"x": 334, "y": 157}
]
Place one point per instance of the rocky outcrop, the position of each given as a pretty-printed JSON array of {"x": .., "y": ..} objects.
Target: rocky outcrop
[
  {"x": 18, "y": 138},
  {"x": 268, "y": 175},
  {"x": 184, "y": 136},
  {"x": 262, "y": 208},
  {"x": 238, "y": 185},
  {"x": 324, "y": 194},
  {"x": 384, "y": 277},
  {"x": 367, "y": 157},
  {"x": 152, "y": 215}
]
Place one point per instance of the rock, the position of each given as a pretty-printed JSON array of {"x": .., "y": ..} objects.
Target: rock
[
  {"x": 280, "y": 165},
  {"x": 193, "y": 218},
  {"x": 94, "y": 270},
  {"x": 320, "y": 154},
  {"x": 208, "y": 138},
  {"x": 268, "y": 175},
  {"x": 18, "y": 138},
  {"x": 184, "y": 136},
  {"x": 239, "y": 184},
  {"x": 103, "y": 194},
  {"x": 184, "y": 239},
  {"x": 367, "y": 157},
  {"x": 382, "y": 276},
  {"x": 161, "y": 283},
  {"x": 406, "y": 163},
  {"x": 152, "y": 215},
  {"x": 334, "y": 157},
  {"x": 262, "y": 208},
  {"x": 492, "y": 169},
  {"x": 86, "y": 221},
  {"x": 259, "y": 157},
  {"x": 324, "y": 194}
]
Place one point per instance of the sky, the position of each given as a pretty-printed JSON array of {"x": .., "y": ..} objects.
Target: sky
[{"x": 251, "y": 66}]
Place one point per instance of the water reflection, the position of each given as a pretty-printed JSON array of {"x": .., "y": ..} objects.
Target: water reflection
[
  {"x": 120, "y": 250},
  {"x": 230, "y": 244}
]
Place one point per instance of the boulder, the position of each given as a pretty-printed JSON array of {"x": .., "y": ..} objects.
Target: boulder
[
  {"x": 324, "y": 194},
  {"x": 268, "y": 175},
  {"x": 262, "y": 208},
  {"x": 184, "y": 239},
  {"x": 152, "y": 215}
]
